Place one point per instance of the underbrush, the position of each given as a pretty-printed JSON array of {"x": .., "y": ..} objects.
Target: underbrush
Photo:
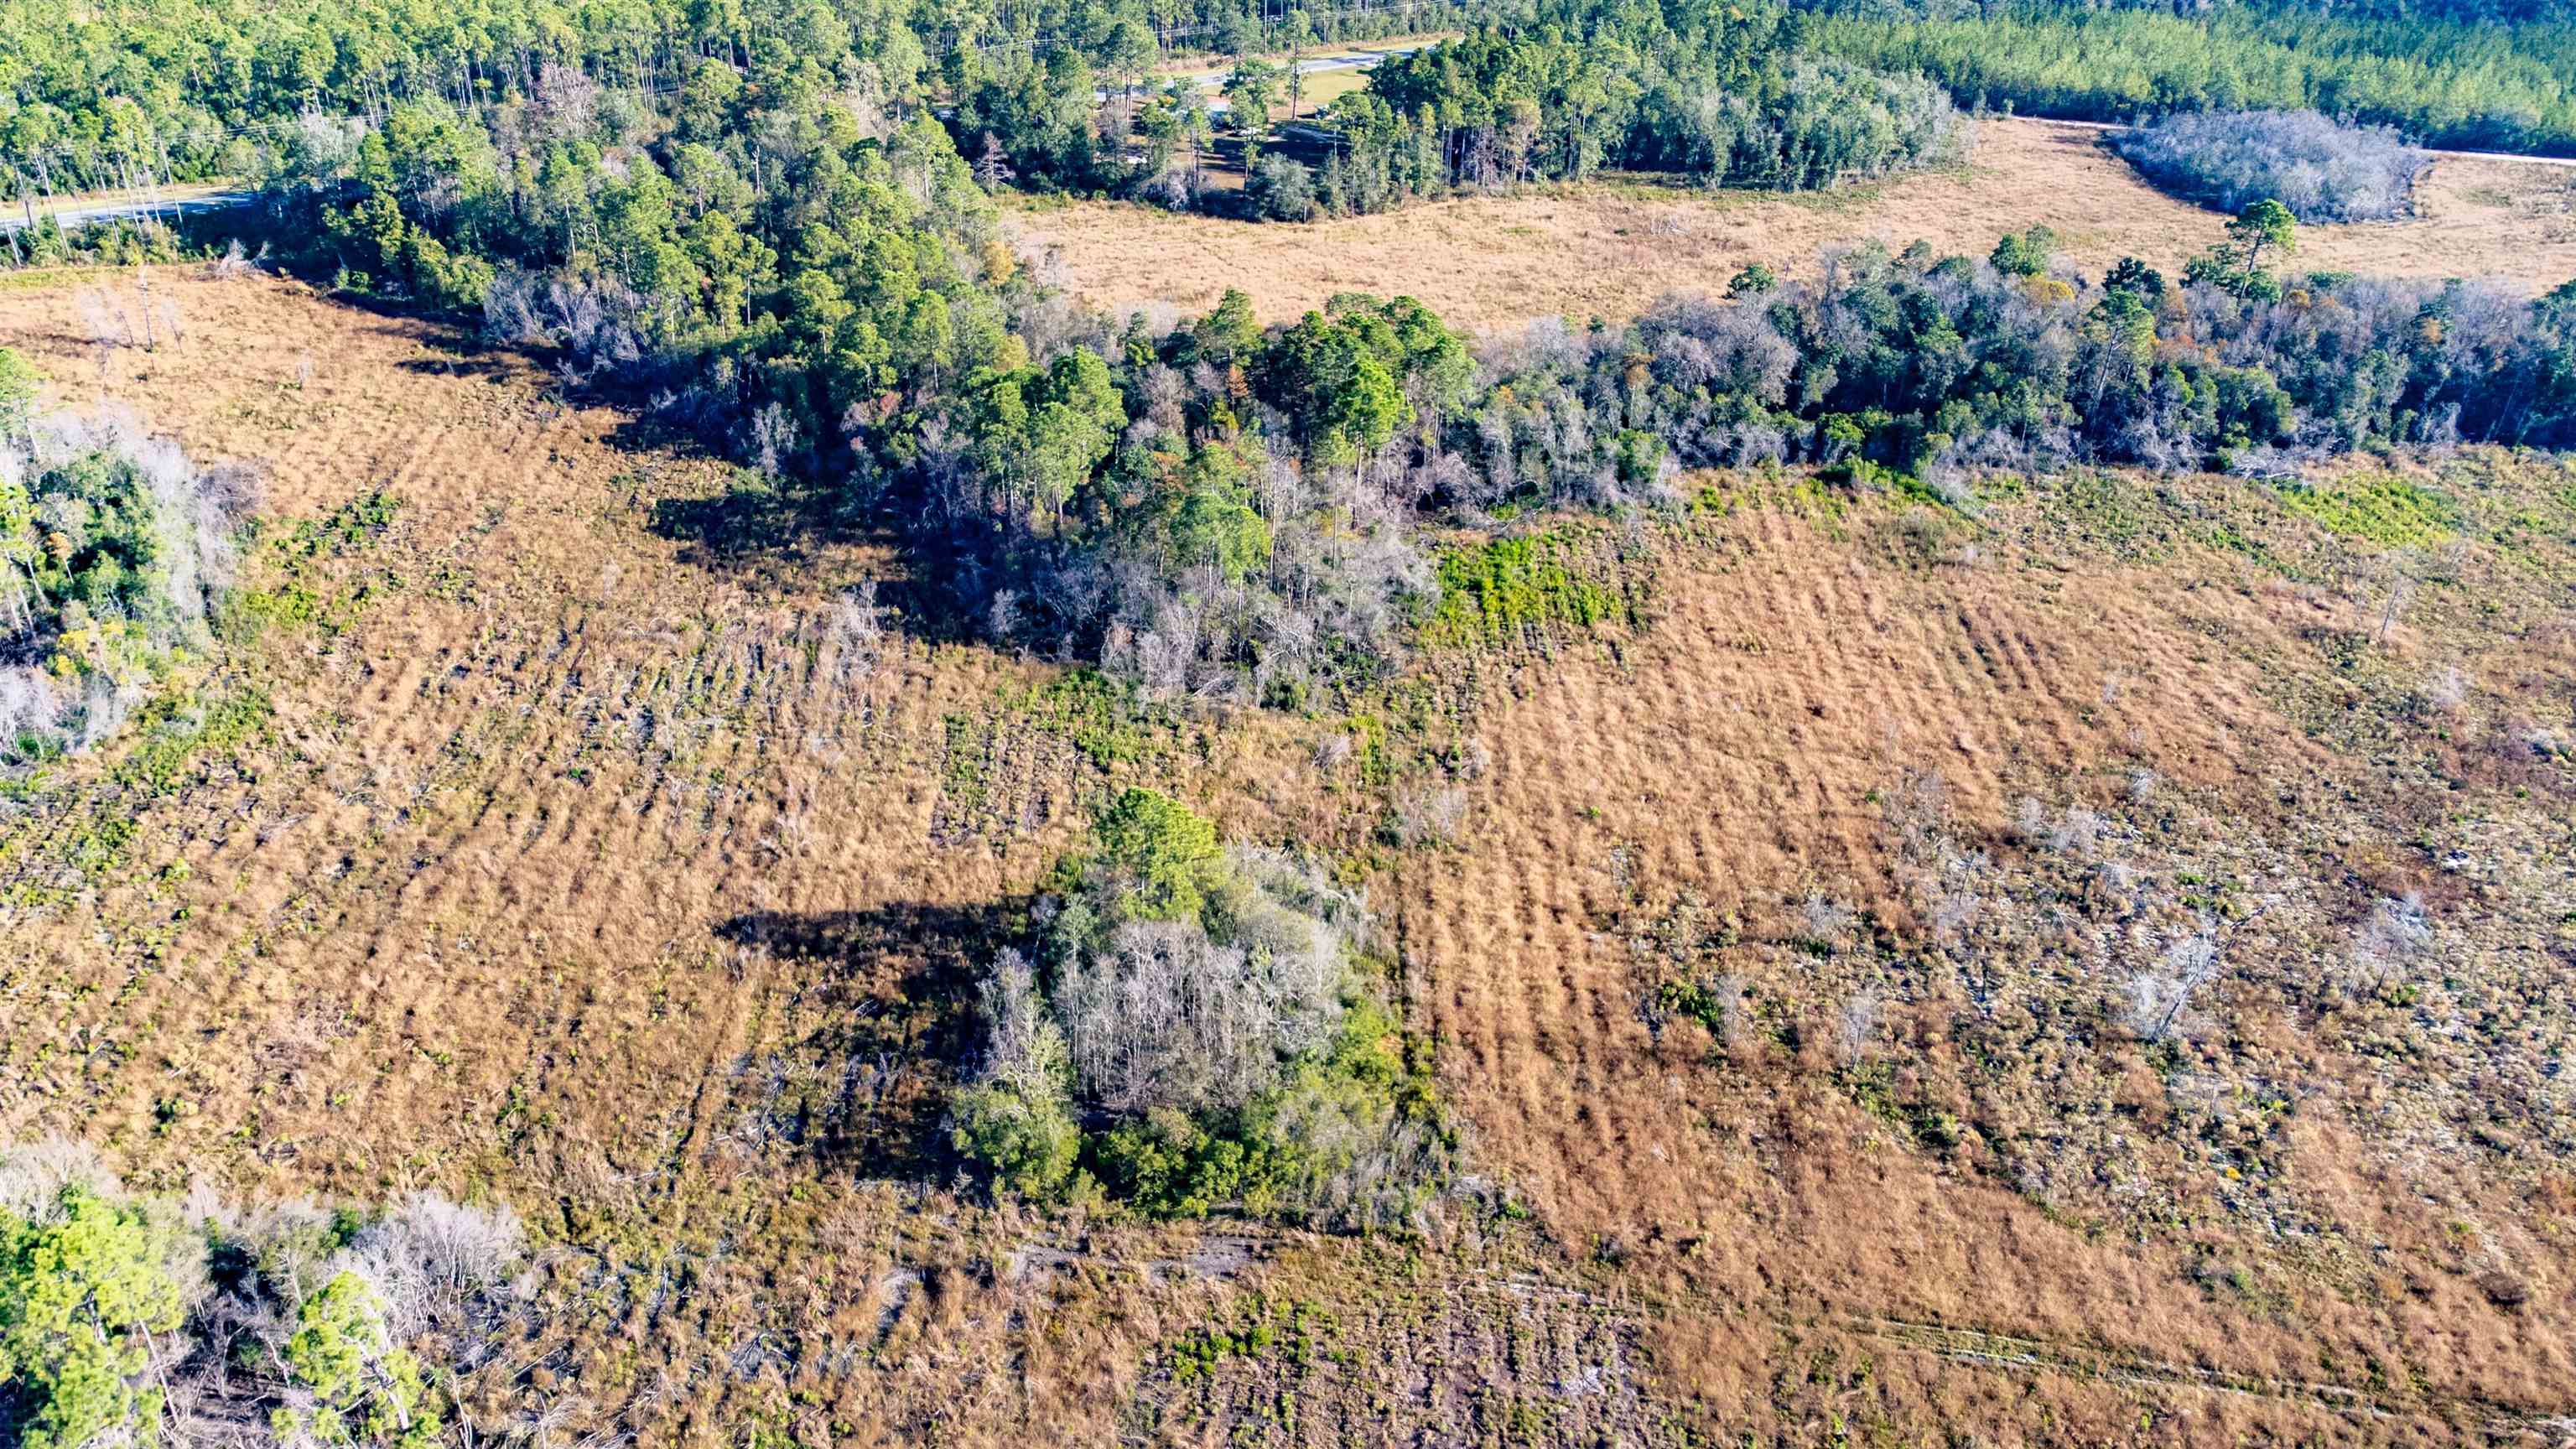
[
  {"x": 2383, "y": 509},
  {"x": 1492, "y": 592}
]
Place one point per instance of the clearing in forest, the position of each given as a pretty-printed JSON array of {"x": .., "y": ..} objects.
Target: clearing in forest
[{"x": 1609, "y": 248}]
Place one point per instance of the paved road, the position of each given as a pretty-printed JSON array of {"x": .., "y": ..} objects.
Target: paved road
[{"x": 181, "y": 201}]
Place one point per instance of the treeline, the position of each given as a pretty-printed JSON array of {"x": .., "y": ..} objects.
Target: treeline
[
  {"x": 2448, "y": 11},
  {"x": 1249, "y": 518},
  {"x": 1725, "y": 99},
  {"x": 2447, "y": 76},
  {"x": 796, "y": 272},
  {"x": 1933, "y": 368},
  {"x": 144, "y": 91},
  {"x": 129, "y": 1319}
]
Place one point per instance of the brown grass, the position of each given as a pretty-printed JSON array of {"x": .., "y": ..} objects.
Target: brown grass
[
  {"x": 567, "y": 872},
  {"x": 1738, "y": 756},
  {"x": 1610, "y": 249}
]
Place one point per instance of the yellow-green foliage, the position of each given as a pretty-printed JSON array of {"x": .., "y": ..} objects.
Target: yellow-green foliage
[
  {"x": 2384, "y": 510},
  {"x": 292, "y": 590},
  {"x": 178, "y": 739},
  {"x": 1493, "y": 591}
]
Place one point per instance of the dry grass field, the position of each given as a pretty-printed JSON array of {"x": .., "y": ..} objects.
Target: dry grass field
[
  {"x": 1609, "y": 249},
  {"x": 556, "y": 844}
]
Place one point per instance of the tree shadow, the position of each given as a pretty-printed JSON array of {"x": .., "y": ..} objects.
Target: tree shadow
[
  {"x": 458, "y": 359},
  {"x": 753, "y": 518},
  {"x": 938, "y": 595},
  {"x": 868, "y": 1089}
]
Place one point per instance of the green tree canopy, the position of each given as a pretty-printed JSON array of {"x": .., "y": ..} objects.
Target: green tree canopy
[{"x": 83, "y": 1290}]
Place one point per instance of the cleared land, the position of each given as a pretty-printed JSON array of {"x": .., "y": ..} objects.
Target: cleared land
[
  {"x": 1609, "y": 249},
  {"x": 553, "y": 843}
]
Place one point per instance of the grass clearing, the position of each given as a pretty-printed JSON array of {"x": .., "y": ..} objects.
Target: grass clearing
[
  {"x": 1609, "y": 248},
  {"x": 1502, "y": 590}
]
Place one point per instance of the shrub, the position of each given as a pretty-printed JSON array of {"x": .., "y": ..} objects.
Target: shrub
[
  {"x": 1028, "y": 1145},
  {"x": 1016, "y": 1119},
  {"x": 112, "y": 550},
  {"x": 2318, "y": 169},
  {"x": 1206, "y": 1006}
]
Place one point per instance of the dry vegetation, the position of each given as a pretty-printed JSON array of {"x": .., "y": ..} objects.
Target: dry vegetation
[
  {"x": 1609, "y": 249},
  {"x": 553, "y": 845}
]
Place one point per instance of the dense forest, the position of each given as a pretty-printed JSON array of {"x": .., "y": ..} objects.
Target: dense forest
[
  {"x": 143, "y": 90},
  {"x": 2471, "y": 77},
  {"x": 180, "y": 89},
  {"x": 1728, "y": 97},
  {"x": 1717, "y": 104}
]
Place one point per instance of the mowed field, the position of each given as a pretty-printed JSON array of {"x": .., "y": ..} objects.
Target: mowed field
[
  {"x": 1610, "y": 249},
  {"x": 559, "y": 842}
]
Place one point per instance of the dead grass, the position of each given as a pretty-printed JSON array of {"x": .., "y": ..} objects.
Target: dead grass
[
  {"x": 571, "y": 868},
  {"x": 1610, "y": 249},
  {"x": 1658, "y": 811}
]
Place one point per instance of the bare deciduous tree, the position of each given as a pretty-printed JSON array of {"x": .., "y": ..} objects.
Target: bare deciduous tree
[
  {"x": 2390, "y": 940},
  {"x": 855, "y": 631},
  {"x": 1430, "y": 815},
  {"x": 1824, "y": 919},
  {"x": 1855, "y": 1025},
  {"x": 2160, "y": 996}
]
